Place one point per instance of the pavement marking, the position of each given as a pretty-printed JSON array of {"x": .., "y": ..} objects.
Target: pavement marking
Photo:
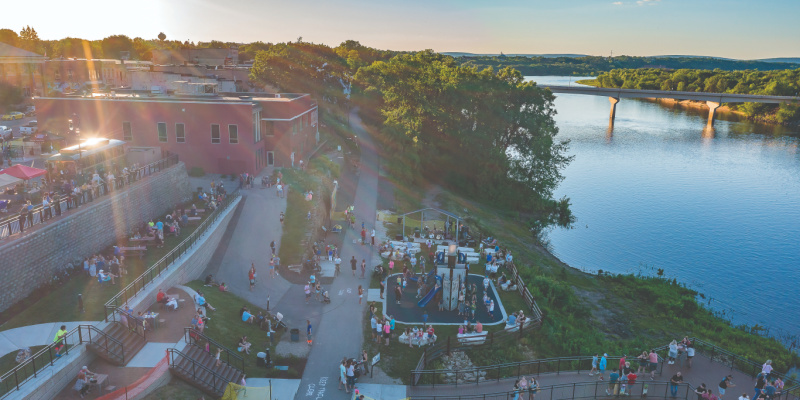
[{"x": 318, "y": 388}]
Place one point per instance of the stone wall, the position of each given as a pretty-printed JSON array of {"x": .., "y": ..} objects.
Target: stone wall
[{"x": 32, "y": 260}]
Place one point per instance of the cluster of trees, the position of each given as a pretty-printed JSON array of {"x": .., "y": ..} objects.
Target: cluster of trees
[
  {"x": 776, "y": 83},
  {"x": 113, "y": 46},
  {"x": 592, "y": 65},
  {"x": 487, "y": 134}
]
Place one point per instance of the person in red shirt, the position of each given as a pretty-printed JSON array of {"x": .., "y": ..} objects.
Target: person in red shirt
[
  {"x": 363, "y": 236},
  {"x": 622, "y": 362},
  {"x": 631, "y": 380},
  {"x": 161, "y": 297}
]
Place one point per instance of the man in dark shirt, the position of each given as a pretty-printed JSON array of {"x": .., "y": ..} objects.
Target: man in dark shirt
[
  {"x": 674, "y": 382},
  {"x": 353, "y": 264}
]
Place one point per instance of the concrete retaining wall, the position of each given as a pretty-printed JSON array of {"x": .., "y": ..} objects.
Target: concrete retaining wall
[{"x": 32, "y": 260}]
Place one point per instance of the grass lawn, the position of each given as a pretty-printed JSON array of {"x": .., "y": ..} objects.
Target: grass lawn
[
  {"x": 296, "y": 226},
  {"x": 61, "y": 304},
  {"x": 226, "y": 327},
  {"x": 176, "y": 389}
]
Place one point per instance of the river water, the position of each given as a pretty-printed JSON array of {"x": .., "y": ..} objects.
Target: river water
[{"x": 719, "y": 210}]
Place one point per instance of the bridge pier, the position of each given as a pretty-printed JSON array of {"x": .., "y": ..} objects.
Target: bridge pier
[
  {"x": 712, "y": 111},
  {"x": 613, "y": 101}
]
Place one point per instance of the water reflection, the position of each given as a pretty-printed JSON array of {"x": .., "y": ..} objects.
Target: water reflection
[{"x": 717, "y": 208}]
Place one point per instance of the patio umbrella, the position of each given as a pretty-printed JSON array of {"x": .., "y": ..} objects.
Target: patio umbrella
[
  {"x": 8, "y": 180},
  {"x": 23, "y": 172}
]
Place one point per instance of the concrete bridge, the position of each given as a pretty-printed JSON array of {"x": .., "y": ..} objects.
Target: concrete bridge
[{"x": 713, "y": 100}]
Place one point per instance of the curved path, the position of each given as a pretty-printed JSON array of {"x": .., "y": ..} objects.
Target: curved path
[{"x": 34, "y": 335}]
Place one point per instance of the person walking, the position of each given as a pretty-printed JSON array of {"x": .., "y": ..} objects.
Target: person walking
[
  {"x": 337, "y": 262},
  {"x": 601, "y": 367},
  {"x": 272, "y": 267},
  {"x": 398, "y": 294},
  {"x": 251, "y": 275},
  {"x": 363, "y": 267},
  {"x": 353, "y": 263},
  {"x": 307, "y": 290},
  {"x": 360, "y": 293},
  {"x": 383, "y": 287},
  {"x": 308, "y": 332},
  {"x": 595, "y": 360},
  {"x": 726, "y": 383},
  {"x": 363, "y": 236}
]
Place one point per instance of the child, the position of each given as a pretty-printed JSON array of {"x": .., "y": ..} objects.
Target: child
[
  {"x": 308, "y": 332},
  {"x": 219, "y": 362}
]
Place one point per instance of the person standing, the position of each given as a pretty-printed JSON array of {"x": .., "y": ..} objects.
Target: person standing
[
  {"x": 398, "y": 294},
  {"x": 613, "y": 379},
  {"x": 307, "y": 290},
  {"x": 343, "y": 375},
  {"x": 308, "y": 332},
  {"x": 272, "y": 246},
  {"x": 372, "y": 237},
  {"x": 272, "y": 267},
  {"x": 363, "y": 267},
  {"x": 676, "y": 380},
  {"x": 360, "y": 294},
  {"x": 282, "y": 217},
  {"x": 383, "y": 287},
  {"x": 363, "y": 234},
  {"x": 653, "y": 363},
  {"x": 337, "y": 262},
  {"x": 353, "y": 263}
]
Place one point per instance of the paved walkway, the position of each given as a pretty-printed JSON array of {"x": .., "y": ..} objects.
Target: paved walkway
[{"x": 340, "y": 329}]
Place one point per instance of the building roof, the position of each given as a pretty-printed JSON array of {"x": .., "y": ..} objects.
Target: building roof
[{"x": 7, "y": 50}]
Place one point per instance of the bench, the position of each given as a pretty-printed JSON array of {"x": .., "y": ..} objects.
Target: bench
[
  {"x": 195, "y": 218},
  {"x": 137, "y": 250},
  {"x": 143, "y": 239}
]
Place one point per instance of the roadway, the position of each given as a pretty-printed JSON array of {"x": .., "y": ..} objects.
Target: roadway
[{"x": 669, "y": 94}]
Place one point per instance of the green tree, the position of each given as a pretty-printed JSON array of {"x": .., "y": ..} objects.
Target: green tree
[
  {"x": 9, "y": 37},
  {"x": 29, "y": 39},
  {"x": 112, "y": 46}
]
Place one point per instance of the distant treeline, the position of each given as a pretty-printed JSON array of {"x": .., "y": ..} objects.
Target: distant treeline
[
  {"x": 591, "y": 65},
  {"x": 774, "y": 83}
]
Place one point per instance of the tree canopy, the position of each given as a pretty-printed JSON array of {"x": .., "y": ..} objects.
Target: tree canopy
[
  {"x": 489, "y": 134},
  {"x": 594, "y": 65}
]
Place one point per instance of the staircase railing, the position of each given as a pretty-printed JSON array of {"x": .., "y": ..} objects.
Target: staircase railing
[
  {"x": 39, "y": 361},
  {"x": 196, "y": 370},
  {"x": 580, "y": 390},
  {"x": 147, "y": 277},
  {"x": 194, "y": 337},
  {"x": 136, "y": 324},
  {"x": 105, "y": 347}
]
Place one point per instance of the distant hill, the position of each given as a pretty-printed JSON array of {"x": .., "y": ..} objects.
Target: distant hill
[
  {"x": 791, "y": 60},
  {"x": 592, "y": 65},
  {"x": 795, "y": 60},
  {"x": 456, "y": 54}
]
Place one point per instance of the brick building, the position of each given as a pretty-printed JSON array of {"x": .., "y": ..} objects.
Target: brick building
[
  {"x": 21, "y": 68},
  {"x": 222, "y": 133}
]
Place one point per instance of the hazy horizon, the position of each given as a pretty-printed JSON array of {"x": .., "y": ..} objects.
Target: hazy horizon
[{"x": 730, "y": 29}]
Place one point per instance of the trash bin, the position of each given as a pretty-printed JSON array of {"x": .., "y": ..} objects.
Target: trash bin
[
  {"x": 295, "y": 334},
  {"x": 261, "y": 360}
]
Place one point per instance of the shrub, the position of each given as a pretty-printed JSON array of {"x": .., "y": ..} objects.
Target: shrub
[{"x": 197, "y": 172}]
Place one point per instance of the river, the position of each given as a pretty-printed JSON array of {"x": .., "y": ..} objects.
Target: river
[{"x": 718, "y": 211}]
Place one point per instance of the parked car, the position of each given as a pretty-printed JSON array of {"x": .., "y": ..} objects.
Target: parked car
[
  {"x": 29, "y": 129},
  {"x": 13, "y": 115},
  {"x": 6, "y": 133}
]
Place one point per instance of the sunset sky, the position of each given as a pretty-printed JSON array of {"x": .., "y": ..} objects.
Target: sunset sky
[{"x": 746, "y": 29}]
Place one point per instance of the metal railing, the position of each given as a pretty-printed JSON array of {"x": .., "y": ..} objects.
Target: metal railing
[
  {"x": 451, "y": 344},
  {"x": 498, "y": 372},
  {"x": 522, "y": 288},
  {"x": 41, "y": 360},
  {"x": 196, "y": 371},
  {"x": 140, "y": 283},
  {"x": 105, "y": 346},
  {"x": 725, "y": 357},
  {"x": 193, "y": 337},
  {"x": 581, "y": 390},
  {"x": 60, "y": 205},
  {"x": 134, "y": 323}
]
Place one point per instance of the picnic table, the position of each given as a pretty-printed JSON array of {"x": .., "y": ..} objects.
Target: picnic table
[
  {"x": 99, "y": 380},
  {"x": 152, "y": 316},
  {"x": 135, "y": 250}
]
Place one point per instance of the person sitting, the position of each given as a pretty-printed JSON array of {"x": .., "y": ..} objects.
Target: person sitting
[
  {"x": 184, "y": 219},
  {"x": 210, "y": 280},
  {"x": 162, "y": 297},
  {"x": 512, "y": 320},
  {"x": 244, "y": 345},
  {"x": 172, "y": 303},
  {"x": 193, "y": 210},
  {"x": 247, "y": 317},
  {"x": 23, "y": 354},
  {"x": 82, "y": 384},
  {"x": 102, "y": 276},
  {"x": 201, "y": 301},
  {"x": 222, "y": 287},
  {"x": 478, "y": 327}
]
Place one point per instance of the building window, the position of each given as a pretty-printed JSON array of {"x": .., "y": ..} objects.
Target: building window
[
  {"x": 268, "y": 128},
  {"x": 127, "y": 133},
  {"x": 162, "y": 132},
  {"x": 215, "y": 134},
  {"x": 233, "y": 134},
  {"x": 180, "y": 133}
]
